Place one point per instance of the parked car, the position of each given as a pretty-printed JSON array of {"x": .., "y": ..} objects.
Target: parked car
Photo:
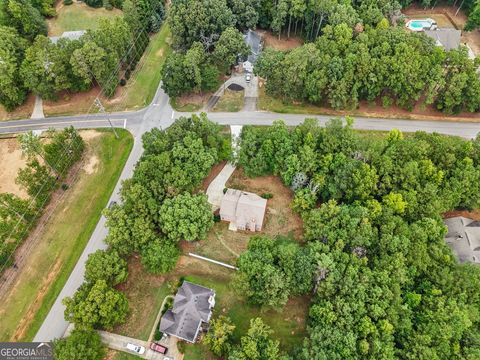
[
  {"x": 248, "y": 77},
  {"x": 136, "y": 348},
  {"x": 158, "y": 348}
]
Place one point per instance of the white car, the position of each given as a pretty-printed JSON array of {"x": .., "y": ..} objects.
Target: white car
[
  {"x": 248, "y": 77},
  {"x": 136, "y": 348}
]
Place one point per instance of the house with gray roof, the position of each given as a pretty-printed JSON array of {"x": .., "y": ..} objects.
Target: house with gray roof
[
  {"x": 71, "y": 35},
  {"x": 445, "y": 37},
  {"x": 244, "y": 210},
  {"x": 192, "y": 307},
  {"x": 463, "y": 237}
]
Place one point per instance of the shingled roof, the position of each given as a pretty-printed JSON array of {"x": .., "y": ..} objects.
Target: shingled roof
[
  {"x": 463, "y": 237},
  {"x": 192, "y": 305}
]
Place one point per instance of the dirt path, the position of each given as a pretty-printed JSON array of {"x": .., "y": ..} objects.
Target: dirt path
[{"x": 11, "y": 161}]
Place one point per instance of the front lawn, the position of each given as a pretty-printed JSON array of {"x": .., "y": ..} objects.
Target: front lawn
[
  {"x": 231, "y": 101},
  {"x": 65, "y": 236}
]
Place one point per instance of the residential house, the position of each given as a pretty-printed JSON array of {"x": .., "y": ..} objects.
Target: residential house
[
  {"x": 192, "y": 307},
  {"x": 254, "y": 41},
  {"x": 244, "y": 210},
  {"x": 463, "y": 238},
  {"x": 446, "y": 37}
]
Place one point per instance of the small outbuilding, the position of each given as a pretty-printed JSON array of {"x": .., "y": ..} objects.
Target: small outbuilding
[
  {"x": 463, "y": 237},
  {"x": 192, "y": 307},
  {"x": 244, "y": 210}
]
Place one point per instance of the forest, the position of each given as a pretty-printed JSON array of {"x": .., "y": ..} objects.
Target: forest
[
  {"x": 385, "y": 284},
  {"x": 106, "y": 57}
]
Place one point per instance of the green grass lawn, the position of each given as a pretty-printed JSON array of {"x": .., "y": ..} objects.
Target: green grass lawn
[
  {"x": 187, "y": 107},
  {"x": 231, "y": 101},
  {"x": 288, "y": 323},
  {"x": 143, "y": 84},
  {"x": 78, "y": 16},
  {"x": 64, "y": 239}
]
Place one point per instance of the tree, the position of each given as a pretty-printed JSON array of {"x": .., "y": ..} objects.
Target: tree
[
  {"x": 80, "y": 344},
  {"x": 186, "y": 217},
  {"x": 473, "y": 21},
  {"x": 245, "y": 12},
  {"x": 229, "y": 47},
  {"x": 257, "y": 343},
  {"x": 21, "y": 15},
  {"x": 12, "y": 49},
  {"x": 198, "y": 20},
  {"x": 159, "y": 257},
  {"x": 219, "y": 336},
  {"x": 46, "y": 7},
  {"x": 37, "y": 181},
  {"x": 96, "y": 306},
  {"x": 106, "y": 265},
  {"x": 44, "y": 69}
]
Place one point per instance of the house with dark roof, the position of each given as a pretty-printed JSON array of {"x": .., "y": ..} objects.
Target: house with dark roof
[
  {"x": 192, "y": 307},
  {"x": 463, "y": 237}
]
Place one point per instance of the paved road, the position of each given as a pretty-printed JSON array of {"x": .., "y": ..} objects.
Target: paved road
[{"x": 160, "y": 114}]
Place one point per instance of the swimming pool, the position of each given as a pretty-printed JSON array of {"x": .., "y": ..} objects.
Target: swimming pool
[{"x": 421, "y": 24}]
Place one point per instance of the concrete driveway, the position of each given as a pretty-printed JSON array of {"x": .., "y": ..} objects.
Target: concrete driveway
[{"x": 119, "y": 343}]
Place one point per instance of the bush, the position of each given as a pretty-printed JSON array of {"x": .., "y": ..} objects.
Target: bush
[
  {"x": 158, "y": 335},
  {"x": 225, "y": 190},
  {"x": 65, "y": 187},
  {"x": 181, "y": 347},
  {"x": 267, "y": 195},
  {"x": 123, "y": 82},
  {"x": 217, "y": 218},
  {"x": 127, "y": 74},
  {"x": 67, "y": 2}
]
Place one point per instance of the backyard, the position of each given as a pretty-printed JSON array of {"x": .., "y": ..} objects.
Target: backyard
[
  {"x": 62, "y": 241},
  {"x": 78, "y": 16}
]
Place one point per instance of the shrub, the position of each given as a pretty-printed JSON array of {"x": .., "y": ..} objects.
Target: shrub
[
  {"x": 267, "y": 195},
  {"x": 181, "y": 346},
  {"x": 123, "y": 82},
  {"x": 127, "y": 74},
  {"x": 67, "y": 2},
  {"x": 216, "y": 218},
  {"x": 158, "y": 335}
]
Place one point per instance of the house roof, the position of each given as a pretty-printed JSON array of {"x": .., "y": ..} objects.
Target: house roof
[
  {"x": 447, "y": 38},
  {"x": 251, "y": 208},
  {"x": 463, "y": 237},
  {"x": 71, "y": 35},
  {"x": 254, "y": 40},
  {"x": 191, "y": 307},
  {"x": 228, "y": 206}
]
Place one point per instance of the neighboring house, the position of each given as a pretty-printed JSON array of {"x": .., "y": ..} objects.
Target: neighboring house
[
  {"x": 447, "y": 38},
  {"x": 192, "y": 307},
  {"x": 463, "y": 237},
  {"x": 71, "y": 35},
  {"x": 244, "y": 210},
  {"x": 254, "y": 41}
]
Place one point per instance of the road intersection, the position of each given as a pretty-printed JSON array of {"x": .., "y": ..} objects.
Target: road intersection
[{"x": 160, "y": 114}]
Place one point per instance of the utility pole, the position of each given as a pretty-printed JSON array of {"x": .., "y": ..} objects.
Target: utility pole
[{"x": 100, "y": 107}]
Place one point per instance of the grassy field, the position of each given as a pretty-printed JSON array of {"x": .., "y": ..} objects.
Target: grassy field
[
  {"x": 78, "y": 16},
  {"x": 231, "y": 101},
  {"x": 143, "y": 84},
  {"x": 66, "y": 234}
]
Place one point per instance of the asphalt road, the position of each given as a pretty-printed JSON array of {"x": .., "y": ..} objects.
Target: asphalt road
[{"x": 160, "y": 114}]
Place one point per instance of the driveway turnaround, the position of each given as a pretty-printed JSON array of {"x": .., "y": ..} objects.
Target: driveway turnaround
[{"x": 119, "y": 343}]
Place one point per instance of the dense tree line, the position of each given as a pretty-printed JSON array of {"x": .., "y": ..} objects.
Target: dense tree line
[
  {"x": 385, "y": 284},
  {"x": 32, "y": 62},
  {"x": 47, "y": 165},
  {"x": 159, "y": 207},
  {"x": 342, "y": 68}
]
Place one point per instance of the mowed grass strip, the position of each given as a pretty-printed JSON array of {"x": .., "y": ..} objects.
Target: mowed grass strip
[
  {"x": 142, "y": 86},
  {"x": 231, "y": 101},
  {"x": 78, "y": 16},
  {"x": 65, "y": 238}
]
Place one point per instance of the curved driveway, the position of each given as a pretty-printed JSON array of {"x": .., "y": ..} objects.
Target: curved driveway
[{"x": 160, "y": 114}]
